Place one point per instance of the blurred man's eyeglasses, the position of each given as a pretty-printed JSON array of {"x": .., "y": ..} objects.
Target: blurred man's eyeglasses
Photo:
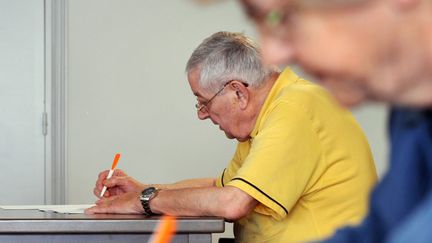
[
  {"x": 275, "y": 22},
  {"x": 282, "y": 19},
  {"x": 203, "y": 106}
]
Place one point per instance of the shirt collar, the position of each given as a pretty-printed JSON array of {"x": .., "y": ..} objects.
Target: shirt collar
[{"x": 286, "y": 77}]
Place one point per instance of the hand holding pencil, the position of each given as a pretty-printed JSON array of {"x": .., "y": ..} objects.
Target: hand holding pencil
[
  {"x": 115, "y": 182},
  {"x": 111, "y": 172}
]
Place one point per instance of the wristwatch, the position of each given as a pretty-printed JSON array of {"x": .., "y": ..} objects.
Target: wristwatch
[{"x": 146, "y": 196}]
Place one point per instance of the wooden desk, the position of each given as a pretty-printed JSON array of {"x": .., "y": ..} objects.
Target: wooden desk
[{"x": 33, "y": 226}]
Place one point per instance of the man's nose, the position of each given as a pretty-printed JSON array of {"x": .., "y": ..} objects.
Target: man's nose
[
  {"x": 277, "y": 51},
  {"x": 202, "y": 115}
]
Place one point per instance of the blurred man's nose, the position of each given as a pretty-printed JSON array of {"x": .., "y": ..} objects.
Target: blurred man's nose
[{"x": 277, "y": 51}]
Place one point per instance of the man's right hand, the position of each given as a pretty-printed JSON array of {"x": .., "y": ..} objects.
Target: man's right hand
[{"x": 118, "y": 184}]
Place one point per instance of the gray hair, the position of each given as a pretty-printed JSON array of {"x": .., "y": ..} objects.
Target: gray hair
[{"x": 226, "y": 56}]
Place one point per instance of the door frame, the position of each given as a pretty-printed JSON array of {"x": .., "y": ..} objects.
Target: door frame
[{"x": 55, "y": 117}]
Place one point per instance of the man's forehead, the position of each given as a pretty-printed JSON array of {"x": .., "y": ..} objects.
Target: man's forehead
[{"x": 196, "y": 88}]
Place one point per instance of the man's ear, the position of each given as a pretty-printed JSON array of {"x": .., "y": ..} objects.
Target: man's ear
[{"x": 242, "y": 93}]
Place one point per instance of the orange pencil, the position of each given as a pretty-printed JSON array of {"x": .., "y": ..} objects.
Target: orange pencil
[
  {"x": 111, "y": 172},
  {"x": 165, "y": 230}
]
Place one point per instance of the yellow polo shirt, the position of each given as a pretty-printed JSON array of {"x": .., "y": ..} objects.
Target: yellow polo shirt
[{"x": 308, "y": 163}]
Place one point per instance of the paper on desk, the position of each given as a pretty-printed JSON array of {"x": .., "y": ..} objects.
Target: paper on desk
[{"x": 71, "y": 209}]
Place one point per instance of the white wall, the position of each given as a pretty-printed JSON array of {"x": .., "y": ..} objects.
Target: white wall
[
  {"x": 128, "y": 92},
  {"x": 373, "y": 119}
]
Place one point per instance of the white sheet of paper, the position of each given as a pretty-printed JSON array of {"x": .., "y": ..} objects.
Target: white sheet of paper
[{"x": 72, "y": 209}]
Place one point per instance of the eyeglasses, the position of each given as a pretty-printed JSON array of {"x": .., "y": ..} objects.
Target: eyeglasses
[
  {"x": 276, "y": 21},
  {"x": 203, "y": 106},
  {"x": 283, "y": 19}
]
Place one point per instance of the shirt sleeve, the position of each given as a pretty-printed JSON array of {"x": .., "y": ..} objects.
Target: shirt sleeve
[
  {"x": 233, "y": 166},
  {"x": 282, "y": 159}
]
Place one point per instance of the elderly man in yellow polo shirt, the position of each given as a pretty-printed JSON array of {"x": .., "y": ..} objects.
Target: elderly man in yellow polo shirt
[{"x": 302, "y": 167}]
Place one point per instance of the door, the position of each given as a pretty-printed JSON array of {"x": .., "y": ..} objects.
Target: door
[{"x": 22, "y": 87}]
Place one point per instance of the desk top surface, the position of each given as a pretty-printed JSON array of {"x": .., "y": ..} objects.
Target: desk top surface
[{"x": 16, "y": 221}]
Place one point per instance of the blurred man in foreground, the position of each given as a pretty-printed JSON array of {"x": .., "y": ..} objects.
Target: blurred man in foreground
[{"x": 378, "y": 50}]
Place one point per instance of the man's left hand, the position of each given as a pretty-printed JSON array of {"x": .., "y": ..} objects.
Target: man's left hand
[{"x": 127, "y": 203}]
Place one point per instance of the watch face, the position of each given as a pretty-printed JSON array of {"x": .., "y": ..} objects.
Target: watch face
[
  {"x": 148, "y": 190},
  {"x": 147, "y": 193}
]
